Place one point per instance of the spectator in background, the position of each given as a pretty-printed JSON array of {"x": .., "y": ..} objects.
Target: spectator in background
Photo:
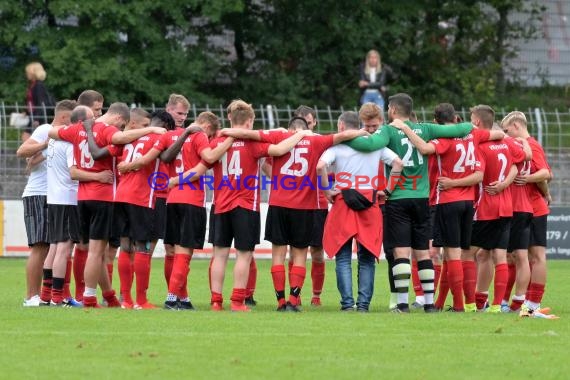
[
  {"x": 373, "y": 79},
  {"x": 37, "y": 96}
]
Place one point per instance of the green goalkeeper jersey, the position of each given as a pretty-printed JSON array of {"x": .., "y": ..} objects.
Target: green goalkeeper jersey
[{"x": 415, "y": 182}]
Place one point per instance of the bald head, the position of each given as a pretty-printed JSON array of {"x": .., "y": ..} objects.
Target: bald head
[{"x": 81, "y": 113}]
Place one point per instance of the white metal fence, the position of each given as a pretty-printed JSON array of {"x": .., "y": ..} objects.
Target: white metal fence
[{"x": 551, "y": 128}]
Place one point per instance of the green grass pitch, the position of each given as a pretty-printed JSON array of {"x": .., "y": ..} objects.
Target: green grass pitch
[{"x": 320, "y": 343}]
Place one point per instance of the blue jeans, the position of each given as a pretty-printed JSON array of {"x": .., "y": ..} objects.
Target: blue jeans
[
  {"x": 366, "y": 271},
  {"x": 373, "y": 96}
]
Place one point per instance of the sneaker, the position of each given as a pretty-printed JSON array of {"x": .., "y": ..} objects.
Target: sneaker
[
  {"x": 348, "y": 308},
  {"x": 145, "y": 306},
  {"x": 430, "y": 308},
  {"x": 470, "y": 308},
  {"x": 72, "y": 302},
  {"x": 293, "y": 308},
  {"x": 402, "y": 308},
  {"x": 316, "y": 301},
  {"x": 505, "y": 308},
  {"x": 32, "y": 301},
  {"x": 217, "y": 306},
  {"x": 171, "y": 305},
  {"x": 185, "y": 305},
  {"x": 538, "y": 314},
  {"x": 57, "y": 304},
  {"x": 417, "y": 305},
  {"x": 126, "y": 305},
  {"x": 249, "y": 301},
  {"x": 495, "y": 309},
  {"x": 450, "y": 309},
  {"x": 525, "y": 311},
  {"x": 239, "y": 307},
  {"x": 281, "y": 308},
  {"x": 361, "y": 310}
]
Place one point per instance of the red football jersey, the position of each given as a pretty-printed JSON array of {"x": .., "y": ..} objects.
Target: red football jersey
[
  {"x": 75, "y": 134},
  {"x": 520, "y": 194},
  {"x": 496, "y": 161},
  {"x": 295, "y": 173},
  {"x": 433, "y": 173},
  {"x": 236, "y": 175},
  {"x": 456, "y": 159},
  {"x": 191, "y": 149},
  {"x": 540, "y": 207},
  {"x": 174, "y": 167},
  {"x": 133, "y": 186}
]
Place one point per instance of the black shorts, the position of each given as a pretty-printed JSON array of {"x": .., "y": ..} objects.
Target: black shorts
[
  {"x": 491, "y": 234},
  {"x": 36, "y": 219},
  {"x": 240, "y": 225},
  {"x": 453, "y": 224},
  {"x": 519, "y": 237},
  {"x": 211, "y": 228},
  {"x": 63, "y": 223},
  {"x": 288, "y": 226},
  {"x": 407, "y": 223},
  {"x": 159, "y": 220},
  {"x": 185, "y": 225},
  {"x": 431, "y": 221},
  {"x": 95, "y": 219},
  {"x": 538, "y": 231},
  {"x": 319, "y": 218},
  {"x": 115, "y": 238},
  {"x": 135, "y": 222}
]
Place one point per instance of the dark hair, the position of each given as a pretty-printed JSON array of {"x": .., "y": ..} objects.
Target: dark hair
[
  {"x": 89, "y": 97},
  {"x": 403, "y": 104},
  {"x": 444, "y": 113},
  {"x": 350, "y": 119},
  {"x": 303, "y": 111},
  {"x": 298, "y": 122},
  {"x": 165, "y": 118}
]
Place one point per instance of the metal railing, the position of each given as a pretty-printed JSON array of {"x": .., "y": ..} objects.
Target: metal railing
[{"x": 551, "y": 128}]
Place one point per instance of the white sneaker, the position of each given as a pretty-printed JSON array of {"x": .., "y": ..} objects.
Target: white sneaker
[{"x": 32, "y": 301}]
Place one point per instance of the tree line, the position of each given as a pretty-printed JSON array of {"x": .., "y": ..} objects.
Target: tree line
[{"x": 279, "y": 52}]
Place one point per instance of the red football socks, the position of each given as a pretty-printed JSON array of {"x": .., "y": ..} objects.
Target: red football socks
[
  {"x": 111, "y": 298},
  {"x": 481, "y": 299},
  {"x": 443, "y": 287},
  {"x": 317, "y": 277},
  {"x": 178, "y": 278},
  {"x": 252, "y": 279},
  {"x": 436, "y": 275},
  {"x": 79, "y": 259},
  {"x": 168, "y": 263},
  {"x": 297, "y": 276},
  {"x": 535, "y": 292},
  {"x": 110, "y": 272},
  {"x": 125, "y": 276},
  {"x": 278, "y": 276},
  {"x": 142, "y": 273},
  {"x": 455, "y": 279},
  {"x": 46, "y": 285},
  {"x": 501, "y": 278},
  {"x": 416, "y": 279},
  {"x": 469, "y": 280},
  {"x": 510, "y": 281}
]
